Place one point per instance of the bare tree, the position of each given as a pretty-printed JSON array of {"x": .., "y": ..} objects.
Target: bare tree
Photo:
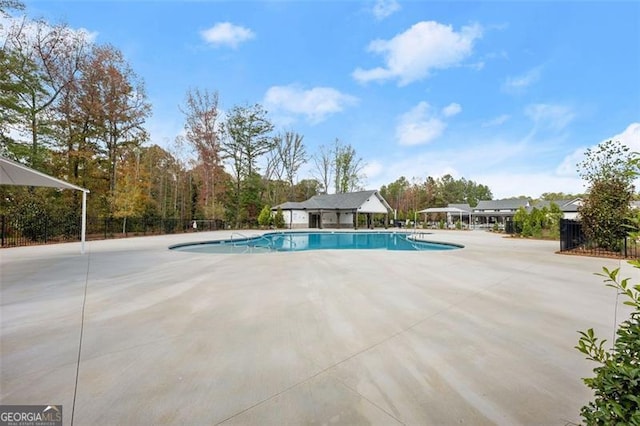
[
  {"x": 347, "y": 168},
  {"x": 74, "y": 128},
  {"x": 117, "y": 102},
  {"x": 283, "y": 163},
  {"x": 10, "y": 4},
  {"x": 273, "y": 175},
  {"x": 323, "y": 167},
  {"x": 9, "y": 70},
  {"x": 47, "y": 59},
  {"x": 293, "y": 154},
  {"x": 202, "y": 132}
]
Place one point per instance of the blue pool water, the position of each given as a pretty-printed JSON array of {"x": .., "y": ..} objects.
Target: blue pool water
[{"x": 301, "y": 241}]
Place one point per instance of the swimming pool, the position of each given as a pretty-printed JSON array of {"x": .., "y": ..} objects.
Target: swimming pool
[{"x": 302, "y": 241}]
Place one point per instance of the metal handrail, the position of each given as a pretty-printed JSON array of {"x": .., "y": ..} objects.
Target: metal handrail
[
  {"x": 238, "y": 233},
  {"x": 262, "y": 237},
  {"x": 252, "y": 237},
  {"x": 414, "y": 241},
  {"x": 289, "y": 237}
]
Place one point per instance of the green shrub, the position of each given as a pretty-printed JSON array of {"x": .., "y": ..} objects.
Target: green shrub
[
  {"x": 33, "y": 218},
  {"x": 537, "y": 230},
  {"x": 278, "y": 220},
  {"x": 617, "y": 380},
  {"x": 264, "y": 218},
  {"x": 610, "y": 169}
]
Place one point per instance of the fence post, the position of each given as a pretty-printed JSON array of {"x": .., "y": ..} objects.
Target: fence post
[{"x": 4, "y": 230}]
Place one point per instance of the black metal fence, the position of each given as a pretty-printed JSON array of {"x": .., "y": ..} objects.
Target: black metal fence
[
  {"x": 573, "y": 240},
  {"x": 25, "y": 231}
]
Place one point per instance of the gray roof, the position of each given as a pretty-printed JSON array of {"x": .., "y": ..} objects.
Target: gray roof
[
  {"x": 290, "y": 205},
  {"x": 347, "y": 201},
  {"x": 566, "y": 205},
  {"x": 465, "y": 207},
  {"x": 455, "y": 210},
  {"x": 540, "y": 204},
  {"x": 491, "y": 205},
  {"x": 570, "y": 205}
]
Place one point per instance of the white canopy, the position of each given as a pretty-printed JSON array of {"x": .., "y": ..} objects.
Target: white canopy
[
  {"x": 12, "y": 173},
  {"x": 449, "y": 211},
  {"x": 444, "y": 210}
]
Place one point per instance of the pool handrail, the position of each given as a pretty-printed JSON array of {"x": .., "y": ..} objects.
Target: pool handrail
[
  {"x": 238, "y": 233},
  {"x": 262, "y": 237},
  {"x": 249, "y": 238}
]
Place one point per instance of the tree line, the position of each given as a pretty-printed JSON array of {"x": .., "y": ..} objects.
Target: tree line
[
  {"x": 408, "y": 197},
  {"x": 77, "y": 110}
]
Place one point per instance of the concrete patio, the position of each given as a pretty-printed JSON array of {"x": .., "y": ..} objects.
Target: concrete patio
[{"x": 480, "y": 335}]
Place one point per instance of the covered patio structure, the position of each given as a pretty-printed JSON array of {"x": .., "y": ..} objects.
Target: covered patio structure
[
  {"x": 12, "y": 173},
  {"x": 451, "y": 212}
]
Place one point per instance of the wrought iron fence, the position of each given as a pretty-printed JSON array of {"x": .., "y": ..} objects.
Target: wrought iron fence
[
  {"x": 33, "y": 230},
  {"x": 573, "y": 240}
]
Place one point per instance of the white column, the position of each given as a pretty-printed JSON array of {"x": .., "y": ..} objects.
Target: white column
[{"x": 84, "y": 221}]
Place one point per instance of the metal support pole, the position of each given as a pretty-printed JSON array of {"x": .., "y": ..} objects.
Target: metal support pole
[{"x": 84, "y": 221}]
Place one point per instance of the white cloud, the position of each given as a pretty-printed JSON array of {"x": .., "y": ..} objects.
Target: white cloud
[
  {"x": 502, "y": 165},
  {"x": 163, "y": 131},
  {"x": 519, "y": 83},
  {"x": 422, "y": 124},
  {"x": 497, "y": 121},
  {"x": 629, "y": 137},
  {"x": 226, "y": 34},
  {"x": 419, "y": 126},
  {"x": 373, "y": 169},
  {"x": 451, "y": 109},
  {"x": 384, "y": 8},
  {"x": 413, "y": 54},
  {"x": 568, "y": 166},
  {"x": 510, "y": 166},
  {"x": 507, "y": 166},
  {"x": 549, "y": 116},
  {"x": 513, "y": 184},
  {"x": 31, "y": 29},
  {"x": 315, "y": 104}
]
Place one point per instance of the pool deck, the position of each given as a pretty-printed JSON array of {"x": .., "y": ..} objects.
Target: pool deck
[{"x": 480, "y": 335}]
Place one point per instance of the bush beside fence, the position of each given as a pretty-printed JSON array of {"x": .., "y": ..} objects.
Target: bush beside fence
[{"x": 573, "y": 240}]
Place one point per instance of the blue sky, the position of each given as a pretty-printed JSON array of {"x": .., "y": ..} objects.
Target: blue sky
[{"x": 505, "y": 93}]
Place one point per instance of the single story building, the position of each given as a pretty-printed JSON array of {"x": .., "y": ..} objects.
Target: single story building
[
  {"x": 503, "y": 210},
  {"x": 335, "y": 210},
  {"x": 489, "y": 212},
  {"x": 569, "y": 207}
]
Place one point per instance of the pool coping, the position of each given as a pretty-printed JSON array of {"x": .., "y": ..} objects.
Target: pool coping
[{"x": 411, "y": 235}]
